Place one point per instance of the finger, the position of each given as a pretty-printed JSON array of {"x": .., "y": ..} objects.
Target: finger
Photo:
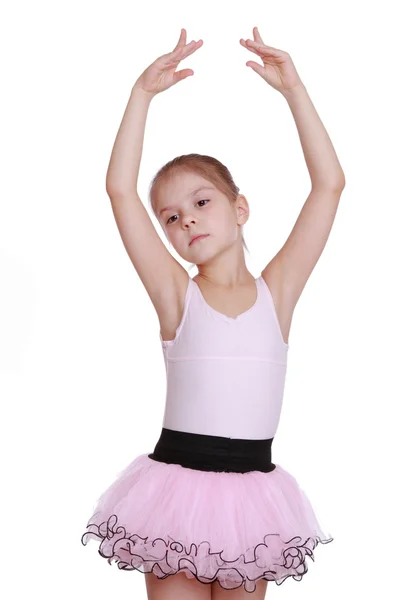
[
  {"x": 187, "y": 50},
  {"x": 249, "y": 48},
  {"x": 256, "y": 35},
  {"x": 173, "y": 58},
  {"x": 261, "y": 51},
  {"x": 182, "y": 40},
  {"x": 179, "y": 75},
  {"x": 263, "y": 48},
  {"x": 256, "y": 67}
]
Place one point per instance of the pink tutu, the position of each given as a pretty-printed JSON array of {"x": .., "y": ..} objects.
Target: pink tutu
[{"x": 234, "y": 528}]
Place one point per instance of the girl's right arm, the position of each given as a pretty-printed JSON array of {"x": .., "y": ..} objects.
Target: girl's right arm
[{"x": 163, "y": 277}]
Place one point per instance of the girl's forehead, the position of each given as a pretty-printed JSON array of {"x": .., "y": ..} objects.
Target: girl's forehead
[{"x": 186, "y": 184}]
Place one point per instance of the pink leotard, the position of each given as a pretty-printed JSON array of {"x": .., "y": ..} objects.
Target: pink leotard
[{"x": 225, "y": 375}]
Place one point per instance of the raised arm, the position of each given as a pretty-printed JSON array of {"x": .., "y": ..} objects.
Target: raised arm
[
  {"x": 289, "y": 270},
  {"x": 123, "y": 169},
  {"x": 163, "y": 277}
]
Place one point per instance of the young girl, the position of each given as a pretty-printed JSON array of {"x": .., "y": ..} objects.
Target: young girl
[{"x": 208, "y": 505}]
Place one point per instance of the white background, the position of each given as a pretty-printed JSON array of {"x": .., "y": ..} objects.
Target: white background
[{"x": 82, "y": 372}]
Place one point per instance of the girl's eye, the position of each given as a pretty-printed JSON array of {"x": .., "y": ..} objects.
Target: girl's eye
[
  {"x": 169, "y": 220},
  {"x": 203, "y": 201}
]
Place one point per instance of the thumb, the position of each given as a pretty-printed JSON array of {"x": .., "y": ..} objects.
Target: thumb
[
  {"x": 256, "y": 67},
  {"x": 179, "y": 75}
]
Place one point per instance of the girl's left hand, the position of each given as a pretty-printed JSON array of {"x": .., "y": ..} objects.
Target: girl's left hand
[{"x": 278, "y": 70}]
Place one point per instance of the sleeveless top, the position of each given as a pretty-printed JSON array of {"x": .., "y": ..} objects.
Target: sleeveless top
[{"x": 225, "y": 375}]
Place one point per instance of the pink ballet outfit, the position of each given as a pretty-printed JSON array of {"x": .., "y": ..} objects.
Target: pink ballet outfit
[{"x": 208, "y": 501}]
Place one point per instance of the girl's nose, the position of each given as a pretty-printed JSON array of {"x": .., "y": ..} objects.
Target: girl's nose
[{"x": 188, "y": 220}]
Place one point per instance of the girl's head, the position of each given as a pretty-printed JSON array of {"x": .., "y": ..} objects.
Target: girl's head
[{"x": 217, "y": 210}]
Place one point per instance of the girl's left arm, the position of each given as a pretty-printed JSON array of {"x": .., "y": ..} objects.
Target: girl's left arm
[
  {"x": 295, "y": 261},
  {"x": 319, "y": 153},
  {"x": 291, "y": 267}
]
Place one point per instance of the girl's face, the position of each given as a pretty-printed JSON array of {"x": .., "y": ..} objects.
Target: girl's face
[{"x": 184, "y": 210}]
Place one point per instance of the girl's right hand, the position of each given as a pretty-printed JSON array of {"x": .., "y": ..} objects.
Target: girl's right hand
[{"x": 160, "y": 75}]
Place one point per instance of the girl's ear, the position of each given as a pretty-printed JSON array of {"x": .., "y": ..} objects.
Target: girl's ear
[{"x": 242, "y": 209}]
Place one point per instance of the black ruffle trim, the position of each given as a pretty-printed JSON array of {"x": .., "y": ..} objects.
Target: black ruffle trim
[{"x": 132, "y": 552}]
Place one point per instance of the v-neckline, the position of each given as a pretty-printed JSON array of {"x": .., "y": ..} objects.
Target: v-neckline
[{"x": 223, "y": 315}]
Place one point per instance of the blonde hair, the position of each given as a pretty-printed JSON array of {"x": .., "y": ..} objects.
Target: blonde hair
[{"x": 207, "y": 167}]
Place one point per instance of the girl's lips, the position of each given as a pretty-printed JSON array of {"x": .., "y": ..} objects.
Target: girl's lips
[{"x": 198, "y": 238}]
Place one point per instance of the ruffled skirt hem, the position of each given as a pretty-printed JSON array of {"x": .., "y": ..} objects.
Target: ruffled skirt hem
[{"x": 234, "y": 528}]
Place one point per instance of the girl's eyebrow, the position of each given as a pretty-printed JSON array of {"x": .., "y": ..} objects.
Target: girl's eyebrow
[
  {"x": 193, "y": 193},
  {"x": 203, "y": 187}
]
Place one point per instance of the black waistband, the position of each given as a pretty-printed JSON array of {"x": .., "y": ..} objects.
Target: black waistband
[{"x": 213, "y": 453}]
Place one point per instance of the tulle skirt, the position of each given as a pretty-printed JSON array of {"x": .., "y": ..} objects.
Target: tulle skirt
[{"x": 231, "y": 527}]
